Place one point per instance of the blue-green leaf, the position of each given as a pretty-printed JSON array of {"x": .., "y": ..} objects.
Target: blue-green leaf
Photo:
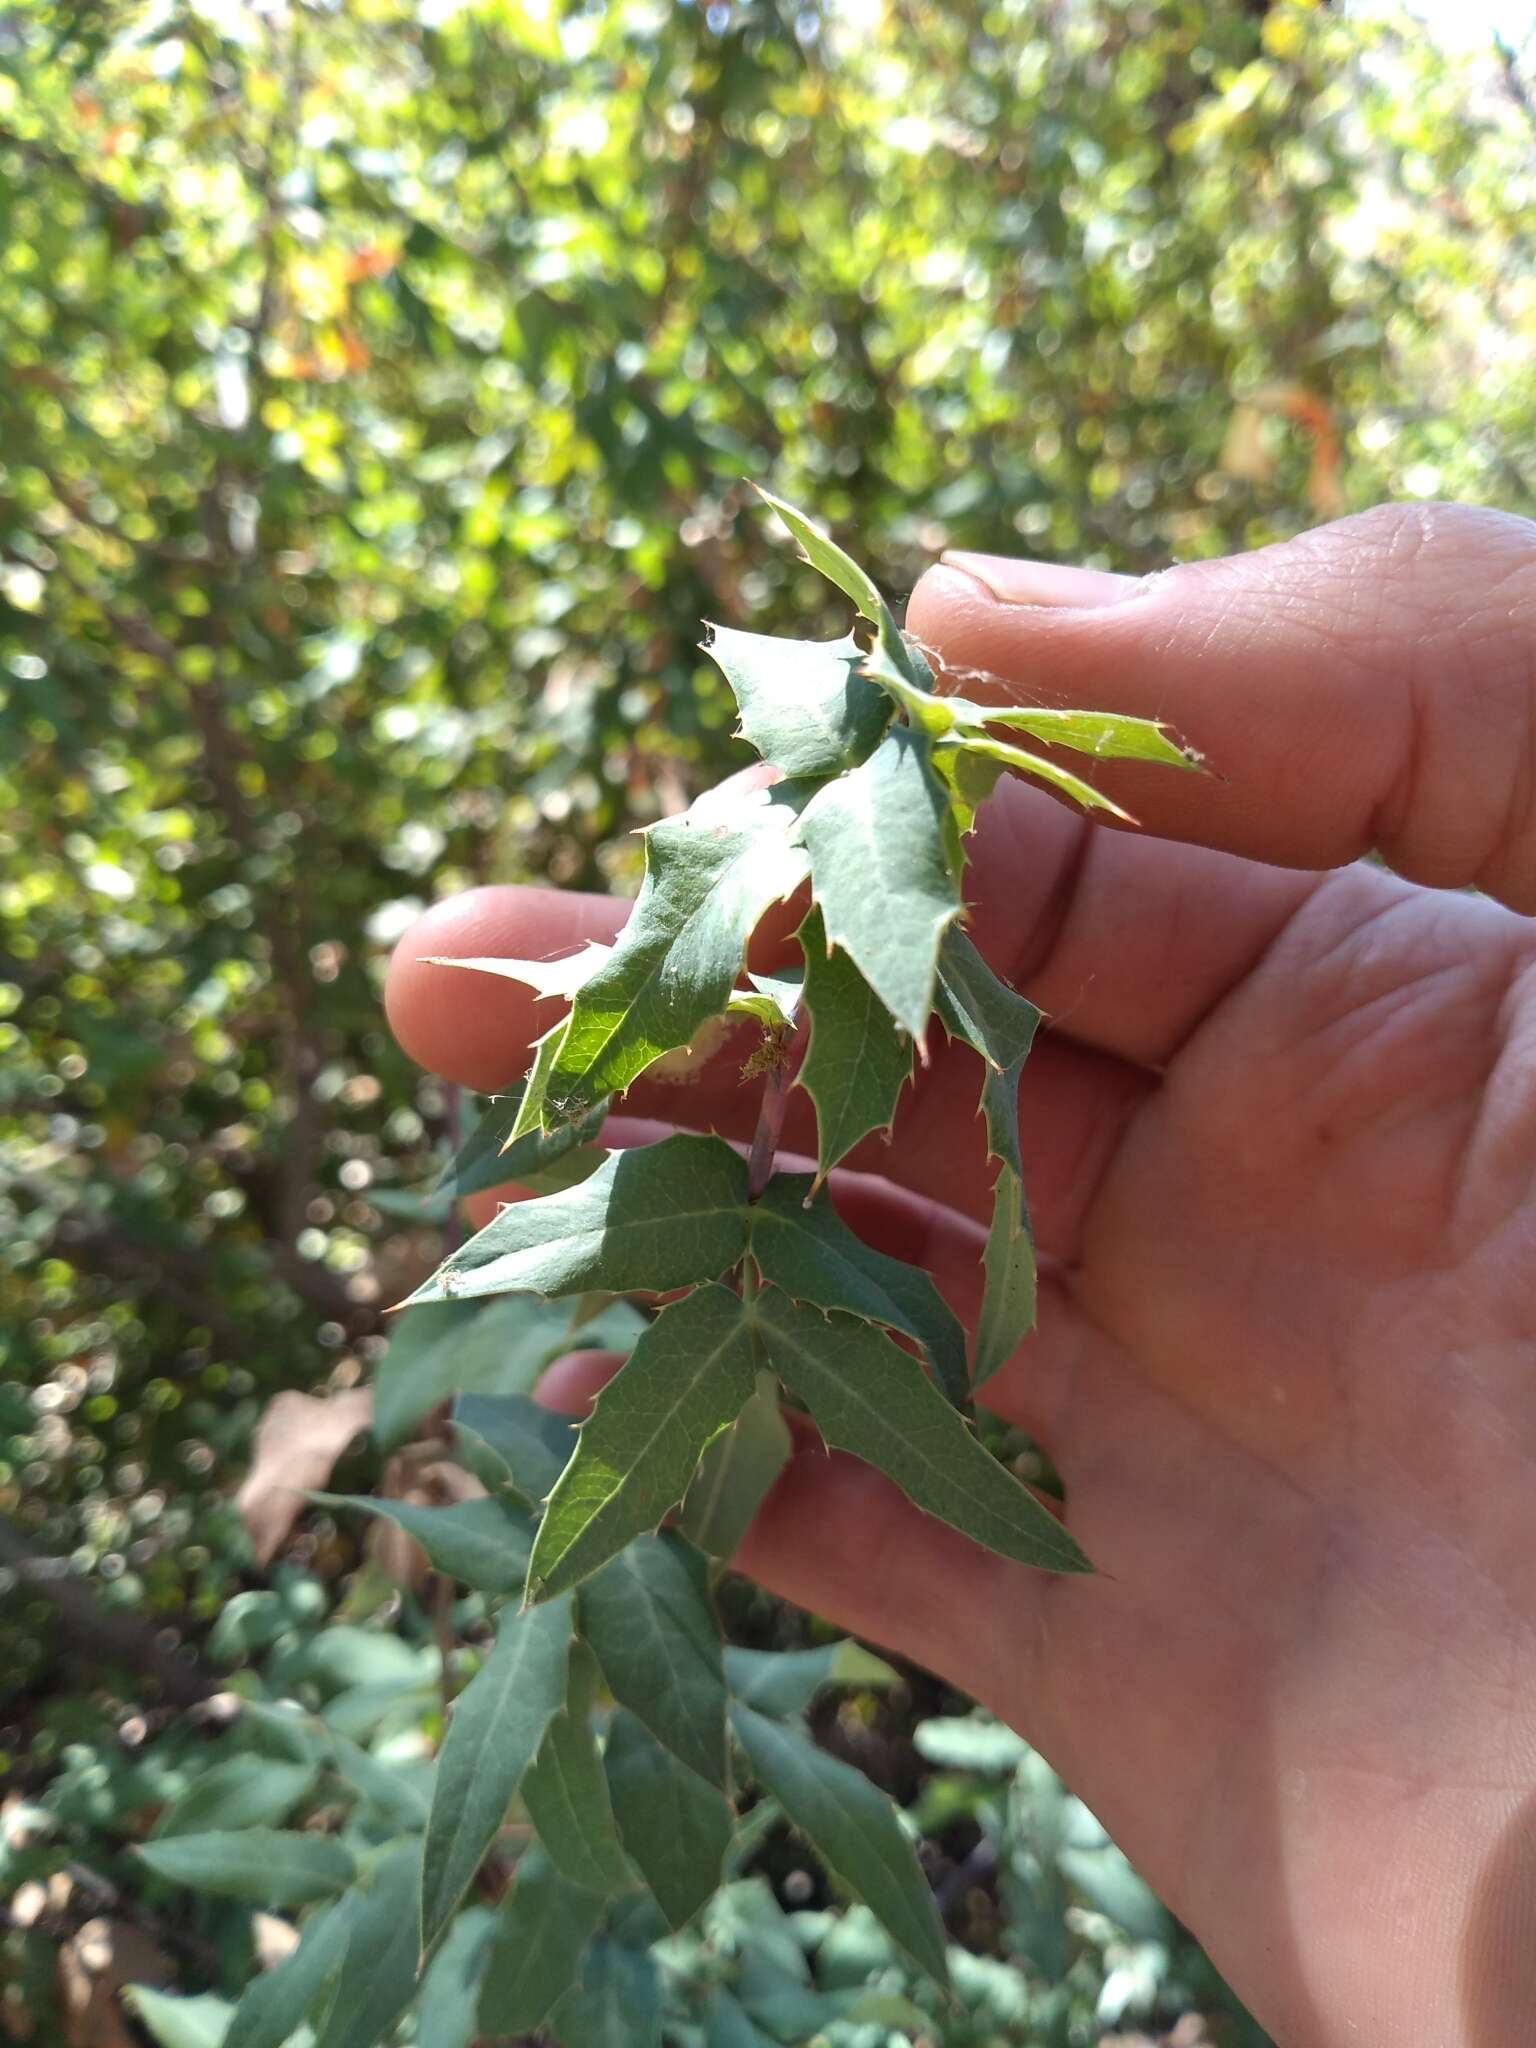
[
  {"x": 676, "y": 1826},
  {"x": 853, "y": 1828},
  {"x": 493, "y": 1736},
  {"x": 648, "y": 1620}
]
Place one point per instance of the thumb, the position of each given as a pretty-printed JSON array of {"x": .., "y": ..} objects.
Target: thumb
[{"x": 1370, "y": 685}]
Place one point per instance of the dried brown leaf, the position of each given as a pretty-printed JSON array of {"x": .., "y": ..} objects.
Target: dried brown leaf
[{"x": 299, "y": 1440}]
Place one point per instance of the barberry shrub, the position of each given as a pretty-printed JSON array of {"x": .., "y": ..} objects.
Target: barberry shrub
[{"x": 607, "y": 1721}]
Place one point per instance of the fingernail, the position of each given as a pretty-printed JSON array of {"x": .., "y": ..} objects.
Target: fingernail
[{"x": 1055, "y": 584}]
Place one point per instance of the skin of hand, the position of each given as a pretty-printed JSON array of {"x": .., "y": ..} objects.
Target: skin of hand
[{"x": 1281, "y": 1145}]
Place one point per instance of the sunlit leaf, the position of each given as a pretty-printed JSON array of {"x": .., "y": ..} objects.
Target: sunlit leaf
[
  {"x": 710, "y": 875},
  {"x": 881, "y": 872},
  {"x": 858, "y": 1060},
  {"x": 869, "y": 1397},
  {"x": 494, "y": 1733},
  {"x": 660, "y": 1216},
  {"x": 804, "y": 704},
  {"x": 687, "y": 1379}
]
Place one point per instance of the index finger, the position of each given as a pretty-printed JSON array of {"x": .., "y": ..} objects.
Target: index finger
[{"x": 1371, "y": 685}]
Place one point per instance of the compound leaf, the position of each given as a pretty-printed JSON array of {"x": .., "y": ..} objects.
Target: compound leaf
[
  {"x": 657, "y": 1217},
  {"x": 709, "y": 876},
  {"x": 804, "y": 704},
  {"x": 675, "y": 1825},
  {"x": 804, "y": 1247},
  {"x": 881, "y": 871},
  {"x": 853, "y": 1827},
  {"x": 648, "y": 1620},
  {"x": 493, "y": 1736},
  {"x": 868, "y": 1396},
  {"x": 482, "y": 1543},
  {"x": 542, "y": 1925},
  {"x": 688, "y": 1378},
  {"x": 858, "y": 1060}
]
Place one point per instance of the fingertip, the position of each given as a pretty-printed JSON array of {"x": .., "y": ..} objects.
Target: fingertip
[
  {"x": 476, "y": 1028},
  {"x": 946, "y": 605}
]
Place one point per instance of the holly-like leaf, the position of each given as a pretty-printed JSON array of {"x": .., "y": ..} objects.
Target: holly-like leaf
[
  {"x": 784, "y": 1682},
  {"x": 549, "y": 979},
  {"x": 534, "y": 1111},
  {"x": 854, "y": 1829},
  {"x": 805, "y": 705},
  {"x": 994, "y": 1019},
  {"x": 542, "y": 1926},
  {"x": 1108, "y": 734},
  {"x": 648, "y": 1620},
  {"x": 615, "y": 2002},
  {"x": 736, "y": 1472},
  {"x": 687, "y": 1379},
  {"x": 491, "y": 1157},
  {"x": 1000, "y": 1025},
  {"x": 658, "y": 1217},
  {"x": 823, "y": 553},
  {"x": 803, "y": 1247},
  {"x": 268, "y": 1866},
  {"x": 1043, "y": 770},
  {"x": 483, "y": 1543},
  {"x": 858, "y": 1060},
  {"x": 378, "y": 1973},
  {"x": 531, "y": 1445},
  {"x": 709, "y": 877},
  {"x": 493, "y": 1736},
  {"x": 868, "y": 1396},
  {"x": 881, "y": 872},
  {"x": 676, "y": 1826},
  {"x": 566, "y": 1794}
]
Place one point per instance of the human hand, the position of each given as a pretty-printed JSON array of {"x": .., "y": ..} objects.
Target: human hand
[{"x": 1281, "y": 1149}]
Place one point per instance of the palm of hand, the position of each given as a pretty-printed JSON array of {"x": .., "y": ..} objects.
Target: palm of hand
[
  {"x": 1280, "y": 1147},
  {"x": 1289, "y": 1411}
]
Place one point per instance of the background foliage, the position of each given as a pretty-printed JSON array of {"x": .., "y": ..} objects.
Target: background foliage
[{"x": 378, "y": 382}]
